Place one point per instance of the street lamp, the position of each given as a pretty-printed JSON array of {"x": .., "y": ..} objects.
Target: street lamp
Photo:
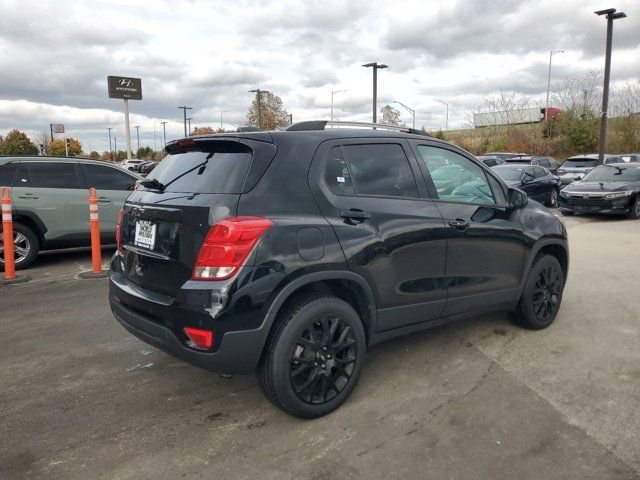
[
  {"x": 110, "y": 150},
  {"x": 189, "y": 124},
  {"x": 259, "y": 92},
  {"x": 164, "y": 133},
  {"x": 137, "y": 127},
  {"x": 551, "y": 54},
  {"x": 375, "y": 66},
  {"x": 184, "y": 110},
  {"x": 332, "y": 94},
  {"x": 221, "y": 112},
  {"x": 411, "y": 111},
  {"x": 446, "y": 125},
  {"x": 611, "y": 15}
]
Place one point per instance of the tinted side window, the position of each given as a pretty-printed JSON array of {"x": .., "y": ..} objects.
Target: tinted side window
[
  {"x": 539, "y": 172},
  {"x": 381, "y": 169},
  {"x": 7, "y": 174},
  {"x": 337, "y": 175},
  {"x": 107, "y": 178},
  {"x": 48, "y": 175},
  {"x": 460, "y": 180}
]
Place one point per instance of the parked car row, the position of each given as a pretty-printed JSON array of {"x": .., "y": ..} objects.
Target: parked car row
[{"x": 578, "y": 185}]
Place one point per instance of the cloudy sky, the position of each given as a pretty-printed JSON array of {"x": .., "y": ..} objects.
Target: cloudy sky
[{"x": 55, "y": 58}]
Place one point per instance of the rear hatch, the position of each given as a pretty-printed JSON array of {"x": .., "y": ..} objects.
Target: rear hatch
[
  {"x": 574, "y": 165},
  {"x": 197, "y": 185}
]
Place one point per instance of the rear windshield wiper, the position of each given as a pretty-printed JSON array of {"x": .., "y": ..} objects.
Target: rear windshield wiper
[{"x": 153, "y": 184}]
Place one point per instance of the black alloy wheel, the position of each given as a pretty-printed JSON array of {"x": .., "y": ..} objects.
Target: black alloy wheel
[
  {"x": 323, "y": 359},
  {"x": 546, "y": 293},
  {"x": 553, "y": 198}
]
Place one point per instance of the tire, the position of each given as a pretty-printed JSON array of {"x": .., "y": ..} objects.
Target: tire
[
  {"x": 315, "y": 331},
  {"x": 634, "y": 210},
  {"x": 26, "y": 247},
  {"x": 542, "y": 294},
  {"x": 552, "y": 202}
]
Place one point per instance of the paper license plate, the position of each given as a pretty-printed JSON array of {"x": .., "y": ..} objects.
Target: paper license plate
[{"x": 145, "y": 234}]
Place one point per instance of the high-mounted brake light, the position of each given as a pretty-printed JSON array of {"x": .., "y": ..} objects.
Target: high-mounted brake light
[
  {"x": 227, "y": 246},
  {"x": 187, "y": 144},
  {"x": 119, "y": 231},
  {"x": 200, "y": 338}
]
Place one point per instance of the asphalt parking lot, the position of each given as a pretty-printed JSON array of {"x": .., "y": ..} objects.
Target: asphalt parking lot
[{"x": 81, "y": 398}]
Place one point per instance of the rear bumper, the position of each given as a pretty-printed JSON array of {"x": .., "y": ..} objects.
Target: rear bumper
[{"x": 238, "y": 353}]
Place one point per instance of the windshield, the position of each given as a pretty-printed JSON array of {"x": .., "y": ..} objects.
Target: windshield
[
  {"x": 580, "y": 163},
  {"x": 509, "y": 174},
  {"x": 446, "y": 173},
  {"x": 217, "y": 170},
  {"x": 613, "y": 173}
]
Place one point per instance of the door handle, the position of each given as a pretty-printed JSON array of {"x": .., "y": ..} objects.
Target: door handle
[
  {"x": 459, "y": 224},
  {"x": 28, "y": 196},
  {"x": 354, "y": 216},
  {"x": 103, "y": 200}
]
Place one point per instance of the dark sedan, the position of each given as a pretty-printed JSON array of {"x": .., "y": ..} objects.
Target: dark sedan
[
  {"x": 549, "y": 163},
  {"x": 612, "y": 188},
  {"x": 538, "y": 183}
]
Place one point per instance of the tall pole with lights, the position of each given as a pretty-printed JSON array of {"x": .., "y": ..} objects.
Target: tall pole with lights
[
  {"x": 184, "y": 111},
  {"x": 551, "y": 54},
  {"x": 376, "y": 66},
  {"x": 611, "y": 15},
  {"x": 110, "y": 149},
  {"x": 410, "y": 110},
  {"x": 446, "y": 123},
  {"x": 332, "y": 94}
]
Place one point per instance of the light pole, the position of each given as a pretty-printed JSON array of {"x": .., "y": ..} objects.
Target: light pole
[
  {"x": 410, "y": 110},
  {"x": 137, "y": 127},
  {"x": 446, "y": 125},
  {"x": 189, "y": 124},
  {"x": 551, "y": 54},
  {"x": 110, "y": 150},
  {"x": 611, "y": 15},
  {"x": 375, "y": 66},
  {"x": 115, "y": 147},
  {"x": 164, "y": 134},
  {"x": 259, "y": 93},
  {"x": 332, "y": 94},
  {"x": 221, "y": 112},
  {"x": 184, "y": 110}
]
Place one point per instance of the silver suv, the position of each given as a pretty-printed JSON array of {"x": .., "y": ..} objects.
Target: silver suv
[
  {"x": 576, "y": 167},
  {"x": 51, "y": 203}
]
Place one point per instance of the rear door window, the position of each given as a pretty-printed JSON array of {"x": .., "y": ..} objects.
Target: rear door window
[
  {"x": 48, "y": 175},
  {"x": 380, "y": 169},
  {"x": 108, "y": 178},
  {"x": 337, "y": 174},
  {"x": 222, "y": 168},
  {"x": 539, "y": 172},
  {"x": 7, "y": 174}
]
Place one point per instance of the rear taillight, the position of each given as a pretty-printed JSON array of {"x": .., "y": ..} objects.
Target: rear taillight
[
  {"x": 119, "y": 231},
  {"x": 227, "y": 246},
  {"x": 560, "y": 171},
  {"x": 200, "y": 338}
]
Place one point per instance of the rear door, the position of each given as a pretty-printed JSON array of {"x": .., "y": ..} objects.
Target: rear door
[
  {"x": 54, "y": 191},
  {"x": 113, "y": 186},
  {"x": 371, "y": 192},
  {"x": 485, "y": 243},
  {"x": 164, "y": 228}
]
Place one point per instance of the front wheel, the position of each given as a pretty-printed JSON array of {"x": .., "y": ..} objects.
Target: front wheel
[
  {"x": 634, "y": 210},
  {"x": 542, "y": 294},
  {"x": 314, "y": 357},
  {"x": 553, "y": 198}
]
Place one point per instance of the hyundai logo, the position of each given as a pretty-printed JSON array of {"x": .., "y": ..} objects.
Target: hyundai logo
[{"x": 125, "y": 82}]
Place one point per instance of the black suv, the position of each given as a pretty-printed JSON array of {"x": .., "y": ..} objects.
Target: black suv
[{"x": 289, "y": 253}]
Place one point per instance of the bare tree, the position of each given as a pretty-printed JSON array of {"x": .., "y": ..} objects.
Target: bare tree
[
  {"x": 580, "y": 93},
  {"x": 43, "y": 138},
  {"x": 626, "y": 121},
  {"x": 390, "y": 115}
]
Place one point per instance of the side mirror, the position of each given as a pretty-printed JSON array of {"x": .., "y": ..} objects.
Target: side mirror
[{"x": 517, "y": 198}]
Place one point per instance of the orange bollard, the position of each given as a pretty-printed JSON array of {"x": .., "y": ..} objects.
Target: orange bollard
[
  {"x": 96, "y": 254},
  {"x": 7, "y": 235}
]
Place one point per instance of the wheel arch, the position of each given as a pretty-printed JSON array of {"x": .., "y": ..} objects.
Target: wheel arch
[
  {"x": 556, "y": 247},
  {"x": 33, "y": 222},
  {"x": 346, "y": 285}
]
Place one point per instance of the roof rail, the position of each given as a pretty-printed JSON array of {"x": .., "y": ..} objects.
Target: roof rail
[
  {"x": 323, "y": 124},
  {"x": 247, "y": 129}
]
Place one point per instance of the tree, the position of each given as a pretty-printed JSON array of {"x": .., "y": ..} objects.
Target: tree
[
  {"x": 57, "y": 148},
  {"x": 17, "y": 143},
  {"x": 273, "y": 114},
  {"x": 199, "y": 131},
  {"x": 43, "y": 139},
  {"x": 144, "y": 153},
  {"x": 390, "y": 116},
  {"x": 121, "y": 155},
  {"x": 627, "y": 123},
  {"x": 105, "y": 156},
  {"x": 94, "y": 155}
]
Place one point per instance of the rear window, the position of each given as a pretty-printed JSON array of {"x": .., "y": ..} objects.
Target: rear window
[
  {"x": 580, "y": 163},
  {"x": 222, "y": 168}
]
